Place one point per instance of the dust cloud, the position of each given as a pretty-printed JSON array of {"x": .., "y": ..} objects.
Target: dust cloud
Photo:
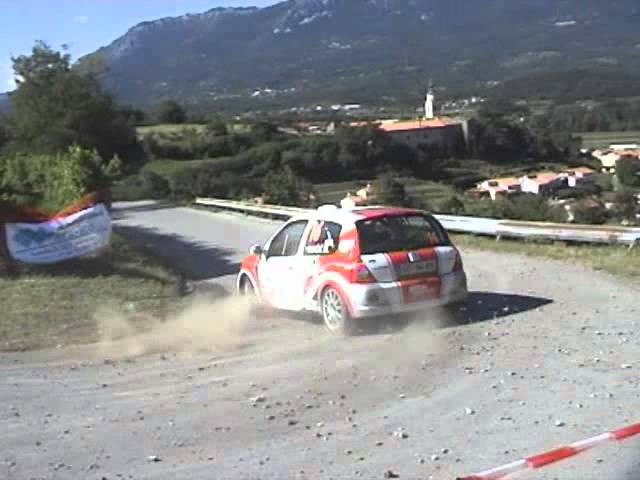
[{"x": 204, "y": 325}]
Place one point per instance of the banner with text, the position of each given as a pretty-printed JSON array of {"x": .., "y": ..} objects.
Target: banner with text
[{"x": 63, "y": 237}]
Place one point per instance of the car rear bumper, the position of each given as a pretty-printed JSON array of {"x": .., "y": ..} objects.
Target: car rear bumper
[{"x": 388, "y": 298}]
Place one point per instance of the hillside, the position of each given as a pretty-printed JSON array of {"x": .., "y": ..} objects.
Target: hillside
[
  {"x": 4, "y": 101},
  {"x": 369, "y": 51}
]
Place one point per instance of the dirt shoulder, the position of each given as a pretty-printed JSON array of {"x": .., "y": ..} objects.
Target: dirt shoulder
[{"x": 57, "y": 305}]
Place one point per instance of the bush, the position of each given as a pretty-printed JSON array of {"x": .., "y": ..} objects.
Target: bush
[
  {"x": 604, "y": 181},
  {"x": 628, "y": 171},
  {"x": 534, "y": 208},
  {"x": 51, "y": 181},
  {"x": 452, "y": 206},
  {"x": 590, "y": 214},
  {"x": 466, "y": 181},
  {"x": 627, "y": 205},
  {"x": 390, "y": 191},
  {"x": 217, "y": 128},
  {"x": 522, "y": 207},
  {"x": 145, "y": 186},
  {"x": 226, "y": 185}
]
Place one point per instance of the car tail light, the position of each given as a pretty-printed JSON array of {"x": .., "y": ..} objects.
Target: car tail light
[
  {"x": 361, "y": 274},
  {"x": 457, "y": 266}
]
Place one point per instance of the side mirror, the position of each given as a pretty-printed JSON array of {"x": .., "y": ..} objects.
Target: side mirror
[{"x": 256, "y": 250}]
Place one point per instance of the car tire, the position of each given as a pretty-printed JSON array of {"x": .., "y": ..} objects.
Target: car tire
[
  {"x": 246, "y": 288},
  {"x": 335, "y": 314}
]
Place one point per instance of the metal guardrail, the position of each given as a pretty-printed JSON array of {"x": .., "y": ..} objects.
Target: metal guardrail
[{"x": 472, "y": 225}]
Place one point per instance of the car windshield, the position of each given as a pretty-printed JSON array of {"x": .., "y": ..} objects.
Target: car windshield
[{"x": 397, "y": 233}]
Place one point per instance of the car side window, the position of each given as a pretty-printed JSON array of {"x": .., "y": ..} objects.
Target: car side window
[
  {"x": 286, "y": 243},
  {"x": 323, "y": 238}
]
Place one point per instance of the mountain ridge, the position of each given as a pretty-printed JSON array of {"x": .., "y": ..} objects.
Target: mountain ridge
[{"x": 306, "y": 51}]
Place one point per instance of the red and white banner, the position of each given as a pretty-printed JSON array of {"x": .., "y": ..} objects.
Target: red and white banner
[{"x": 36, "y": 238}]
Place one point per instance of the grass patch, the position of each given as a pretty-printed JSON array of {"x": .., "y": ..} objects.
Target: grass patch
[
  {"x": 604, "y": 139},
  {"x": 614, "y": 259},
  {"x": 56, "y": 304},
  {"x": 416, "y": 188},
  {"x": 169, "y": 128}
]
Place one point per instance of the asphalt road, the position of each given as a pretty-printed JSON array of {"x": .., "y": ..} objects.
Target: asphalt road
[{"x": 535, "y": 362}]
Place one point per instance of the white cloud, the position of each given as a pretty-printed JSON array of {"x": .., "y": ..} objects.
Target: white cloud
[{"x": 81, "y": 19}]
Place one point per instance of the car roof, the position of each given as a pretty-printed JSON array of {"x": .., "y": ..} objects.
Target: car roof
[{"x": 348, "y": 216}]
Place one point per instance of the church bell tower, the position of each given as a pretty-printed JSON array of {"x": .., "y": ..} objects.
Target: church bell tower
[{"x": 428, "y": 104}]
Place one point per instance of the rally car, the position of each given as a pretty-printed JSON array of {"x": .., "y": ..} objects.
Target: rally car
[{"x": 348, "y": 264}]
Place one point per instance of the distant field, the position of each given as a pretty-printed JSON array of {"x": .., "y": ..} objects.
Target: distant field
[
  {"x": 429, "y": 191},
  {"x": 172, "y": 128},
  {"x": 168, "y": 128},
  {"x": 604, "y": 139}
]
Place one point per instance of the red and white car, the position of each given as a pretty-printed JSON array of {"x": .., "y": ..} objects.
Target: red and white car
[{"x": 355, "y": 263}]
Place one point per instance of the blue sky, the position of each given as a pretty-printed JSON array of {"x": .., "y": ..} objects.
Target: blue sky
[{"x": 84, "y": 25}]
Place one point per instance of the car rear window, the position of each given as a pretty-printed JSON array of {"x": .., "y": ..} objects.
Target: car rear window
[{"x": 398, "y": 233}]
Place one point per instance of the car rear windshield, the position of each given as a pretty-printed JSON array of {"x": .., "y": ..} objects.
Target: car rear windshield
[{"x": 398, "y": 233}]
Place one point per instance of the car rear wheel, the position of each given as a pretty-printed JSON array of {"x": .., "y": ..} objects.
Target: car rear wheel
[
  {"x": 335, "y": 314},
  {"x": 246, "y": 288}
]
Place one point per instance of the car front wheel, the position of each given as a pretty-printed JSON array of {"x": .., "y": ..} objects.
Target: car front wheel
[{"x": 335, "y": 314}]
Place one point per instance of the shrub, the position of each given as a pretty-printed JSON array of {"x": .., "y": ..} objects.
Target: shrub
[
  {"x": 452, "y": 205},
  {"x": 52, "y": 181},
  {"x": 627, "y": 205},
  {"x": 466, "y": 181},
  {"x": 390, "y": 191},
  {"x": 604, "y": 181},
  {"x": 590, "y": 213},
  {"x": 217, "y": 128},
  {"x": 523, "y": 207},
  {"x": 534, "y": 208},
  {"x": 145, "y": 186},
  {"x": 285, "y": 188},
  {"x": 628, "y": 171}
]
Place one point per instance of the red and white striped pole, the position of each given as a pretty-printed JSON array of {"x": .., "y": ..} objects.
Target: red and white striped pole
[{"x": 556, "y": 455}]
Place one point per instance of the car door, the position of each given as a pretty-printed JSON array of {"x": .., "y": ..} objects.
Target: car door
[
  {"x": 320, "y": 243},
  {"x": 279, "y": 271}
]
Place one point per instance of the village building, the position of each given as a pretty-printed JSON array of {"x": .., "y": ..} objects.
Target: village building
[
  {"x": 446, "y": 134},
  {"x": 541, "y": 183}
]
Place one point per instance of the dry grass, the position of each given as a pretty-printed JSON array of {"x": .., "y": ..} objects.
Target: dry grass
[{"x": 56, "y": 304}]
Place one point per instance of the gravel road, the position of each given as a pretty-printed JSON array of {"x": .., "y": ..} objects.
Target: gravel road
[{"x": 536, "y": 361}]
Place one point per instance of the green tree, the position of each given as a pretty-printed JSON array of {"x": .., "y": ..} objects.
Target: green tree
[
  {"x": 628, "y": 171},
  {"x": 55, "y": 106},
  {"x": 170, "y": 111}
]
